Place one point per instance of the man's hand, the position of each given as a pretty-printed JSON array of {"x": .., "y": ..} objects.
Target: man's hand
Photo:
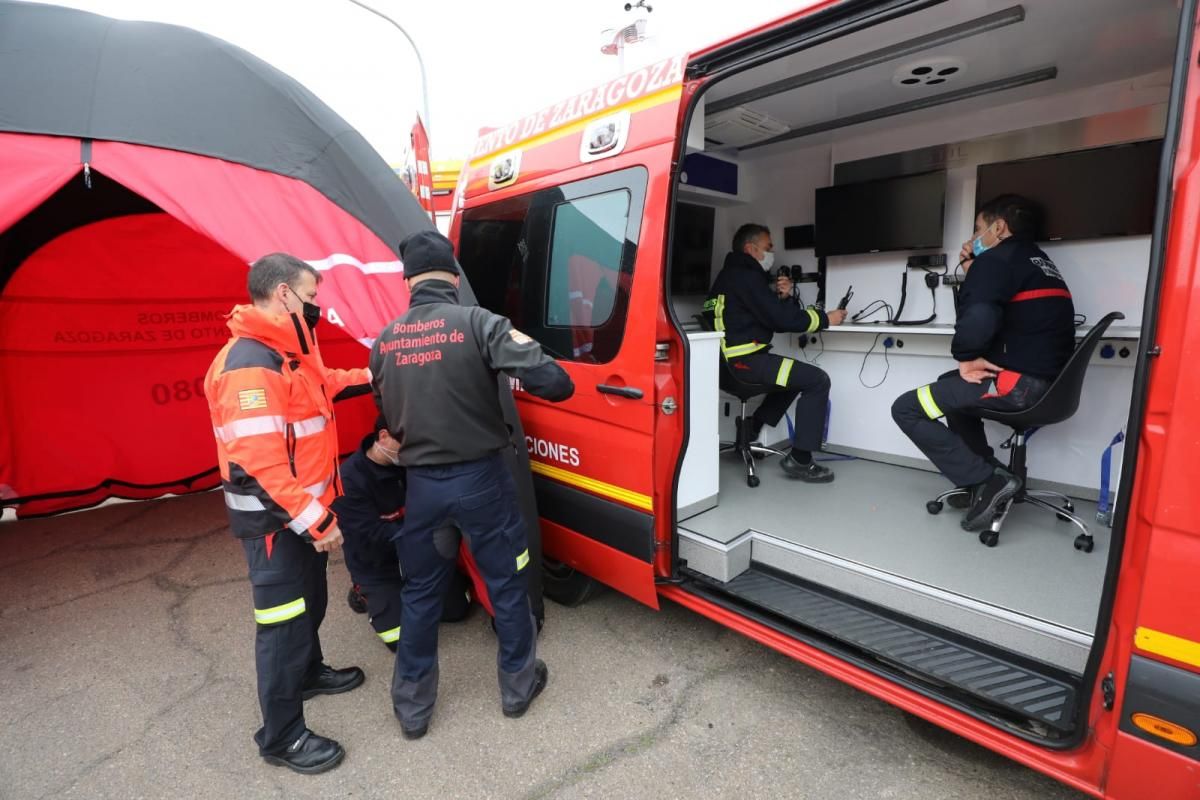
[
  {"x": 966, "y": 256},
  {"x": 836, "y": 317},
  {"x": 330, "y": 541},
  {"x": 978, "y": 370},
  {"x": 783, "y": 287}
]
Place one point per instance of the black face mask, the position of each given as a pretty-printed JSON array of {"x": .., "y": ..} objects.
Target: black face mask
[{"x": 312, "y": 315}]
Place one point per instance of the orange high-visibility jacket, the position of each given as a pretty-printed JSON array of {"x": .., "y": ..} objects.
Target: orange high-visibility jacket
[{"x": 271, "y": 400}]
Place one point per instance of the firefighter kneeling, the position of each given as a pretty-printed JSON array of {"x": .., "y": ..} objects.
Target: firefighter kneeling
[
  {"x": 436, "y": 381},
  {"x": 371, "y": 515}
]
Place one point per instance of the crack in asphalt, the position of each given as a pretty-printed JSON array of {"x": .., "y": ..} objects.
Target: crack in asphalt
[
  {"x": 190, "y": 541},
  {"x": 176, "y": 625},
  {"x": 629, "y": 746}
]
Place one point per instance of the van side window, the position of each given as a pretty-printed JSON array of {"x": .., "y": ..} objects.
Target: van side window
[{"x": 559, "y": 262}]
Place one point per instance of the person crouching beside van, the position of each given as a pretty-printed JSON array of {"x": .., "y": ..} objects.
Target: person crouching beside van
[
  {"x": 1014, "y": 333},
  {"x": 749, "y": 310},
  {"x": 371, "y": 515}
]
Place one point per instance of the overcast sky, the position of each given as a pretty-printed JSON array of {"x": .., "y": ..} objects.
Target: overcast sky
[{"x": 488, "y": 62}]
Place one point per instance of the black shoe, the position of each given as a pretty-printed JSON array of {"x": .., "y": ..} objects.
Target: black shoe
[
  {"x": 543, "y": 675},
  {"x": 309, "y": 754},
  {"x": 356, "y": 601},
  {"x": 333, "y": 681},
  {"x": 412, "y": 734},
  {"x": 812, "y": 472},
  {"x": 962, "y": 499},
  {"x": 988, "y": 498}
]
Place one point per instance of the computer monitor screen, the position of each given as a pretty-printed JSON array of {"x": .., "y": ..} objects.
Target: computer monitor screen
[
  {"x": 1086, "y": 194},
  {"x": 902, "y": 213}
]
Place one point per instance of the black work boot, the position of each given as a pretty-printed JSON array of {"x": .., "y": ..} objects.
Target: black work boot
[
  {"x": 542, "y": 675},
  {"x": 412, "y": 734},
  {"x": 962, "y": 500},
  {"x": 812, "y": 472},
  {"x": 989, "y": 497},
  {"x": 328, "y": 680},
  {"x": 356, "y": 601},
  {"x": 309, "y": 754}
]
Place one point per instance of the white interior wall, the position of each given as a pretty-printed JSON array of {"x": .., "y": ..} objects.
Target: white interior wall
[{"x": 778, "y": 189}]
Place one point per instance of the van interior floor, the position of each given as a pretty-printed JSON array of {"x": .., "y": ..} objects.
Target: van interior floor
[{"x": 868, "y": 535}]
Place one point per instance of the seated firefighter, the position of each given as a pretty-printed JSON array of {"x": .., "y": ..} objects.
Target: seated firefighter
[
  {"x": 371, "y": 513},
  {"x": 750, "y": 310},
  {"x": 1014, "y": 333}
]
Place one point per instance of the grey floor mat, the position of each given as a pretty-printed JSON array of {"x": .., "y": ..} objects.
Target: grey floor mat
[{"x": 874, "y": 514}]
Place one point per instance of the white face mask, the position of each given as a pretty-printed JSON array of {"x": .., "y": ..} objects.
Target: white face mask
[
  {"x": 391, "y": 455},
  {"x": 767, "y": 261}
]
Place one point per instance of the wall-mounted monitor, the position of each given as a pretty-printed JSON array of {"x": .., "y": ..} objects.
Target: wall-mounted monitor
[
  {"x": 1086, "y": 194},
  {"x": 904, "y": 213}
]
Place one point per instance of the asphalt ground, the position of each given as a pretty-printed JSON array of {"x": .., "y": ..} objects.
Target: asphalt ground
[{"x": 126, "y": 656}]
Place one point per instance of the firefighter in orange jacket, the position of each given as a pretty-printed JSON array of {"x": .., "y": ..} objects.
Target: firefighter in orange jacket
[{"x": 271, "y": 400}]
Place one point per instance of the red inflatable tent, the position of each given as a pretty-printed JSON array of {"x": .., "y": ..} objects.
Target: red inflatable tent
[{"x": 142, "y": 168}]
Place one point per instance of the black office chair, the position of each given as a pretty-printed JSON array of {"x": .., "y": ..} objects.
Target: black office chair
[
  {"x": 1059, "y": 403},
  {"x": 745, "y": 392}
]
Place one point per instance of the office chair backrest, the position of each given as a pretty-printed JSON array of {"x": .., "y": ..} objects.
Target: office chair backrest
[{"x": 1061, "y": 400}]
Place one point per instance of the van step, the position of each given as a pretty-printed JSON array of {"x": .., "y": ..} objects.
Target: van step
[{"x": 1023, "y": 689}]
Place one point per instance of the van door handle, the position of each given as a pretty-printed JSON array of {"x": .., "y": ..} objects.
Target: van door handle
[{"x": 622, "y": 391}]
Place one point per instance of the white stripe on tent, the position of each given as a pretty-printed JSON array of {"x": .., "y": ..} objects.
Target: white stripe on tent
[{"x": 368, "y": 268}]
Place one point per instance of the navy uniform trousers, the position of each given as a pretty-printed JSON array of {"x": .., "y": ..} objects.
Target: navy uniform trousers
[
  {"x": 788, "y": 378},
  {"x": 478, "y": 498},
  {"x": 960, "y": 449},
  {"x": 290, "y": 595}
]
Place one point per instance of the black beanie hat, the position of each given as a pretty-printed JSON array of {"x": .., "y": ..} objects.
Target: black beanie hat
[{"x": 425, "y": 252}]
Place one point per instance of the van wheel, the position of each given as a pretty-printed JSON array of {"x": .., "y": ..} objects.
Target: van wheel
[{"x": 566, "y": 585}]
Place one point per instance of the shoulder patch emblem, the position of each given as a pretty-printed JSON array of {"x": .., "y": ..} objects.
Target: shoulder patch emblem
[
  {"x": 519, "y": 337},
  {"x": 250, "y": 399}
]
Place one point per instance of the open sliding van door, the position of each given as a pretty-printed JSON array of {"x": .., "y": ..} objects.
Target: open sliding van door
[{"x": 573, "y": 256}]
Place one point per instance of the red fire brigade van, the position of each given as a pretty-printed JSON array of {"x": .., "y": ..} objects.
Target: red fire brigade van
[{"x": 864, "y": 134}]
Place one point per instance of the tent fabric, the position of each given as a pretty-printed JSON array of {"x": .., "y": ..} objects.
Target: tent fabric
[
  {"x": 72, "y": 73},
  {"x": 251, "y": 212},
  {"x": 31, "y": 169},
  {"x": 143, "y": 167}
]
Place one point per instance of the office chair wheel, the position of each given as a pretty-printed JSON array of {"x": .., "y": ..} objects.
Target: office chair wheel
[
  {"x": 989, "y": 538},
  {"x": 752, "y": 481},
  {"x": 1084, "y": 542},
  {"x": 934, "y": 506}
]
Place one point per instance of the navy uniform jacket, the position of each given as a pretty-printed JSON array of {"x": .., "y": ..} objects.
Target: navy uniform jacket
[
  {"x": 1015, "y": 310},
  {"x": 745, "y": 306},
  {"x": 370, "y": 514}
]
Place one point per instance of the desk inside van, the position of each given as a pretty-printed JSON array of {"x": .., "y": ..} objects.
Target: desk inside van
[{"x": 1124, "y": 332}]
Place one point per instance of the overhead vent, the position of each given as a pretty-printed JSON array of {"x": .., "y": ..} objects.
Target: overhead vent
[
  {"x": 929, "y": 72},
  {"x": 742, "y": 126}
]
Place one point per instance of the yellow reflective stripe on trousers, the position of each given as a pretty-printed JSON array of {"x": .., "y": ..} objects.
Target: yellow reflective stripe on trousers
[
  {"x": 741, "y": 349},
  {"x": 925, "y": 395},
  {"x": 719, "y": 313},
  {"x": 271, "y": 616},
  {"x": 785, "y": 371},
  {"x": 391, "y": 636},
  {"x": 523, "y": 560}
]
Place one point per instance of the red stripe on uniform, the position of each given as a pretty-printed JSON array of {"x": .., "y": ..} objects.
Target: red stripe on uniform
[{"x": 1039, "y": 294}]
